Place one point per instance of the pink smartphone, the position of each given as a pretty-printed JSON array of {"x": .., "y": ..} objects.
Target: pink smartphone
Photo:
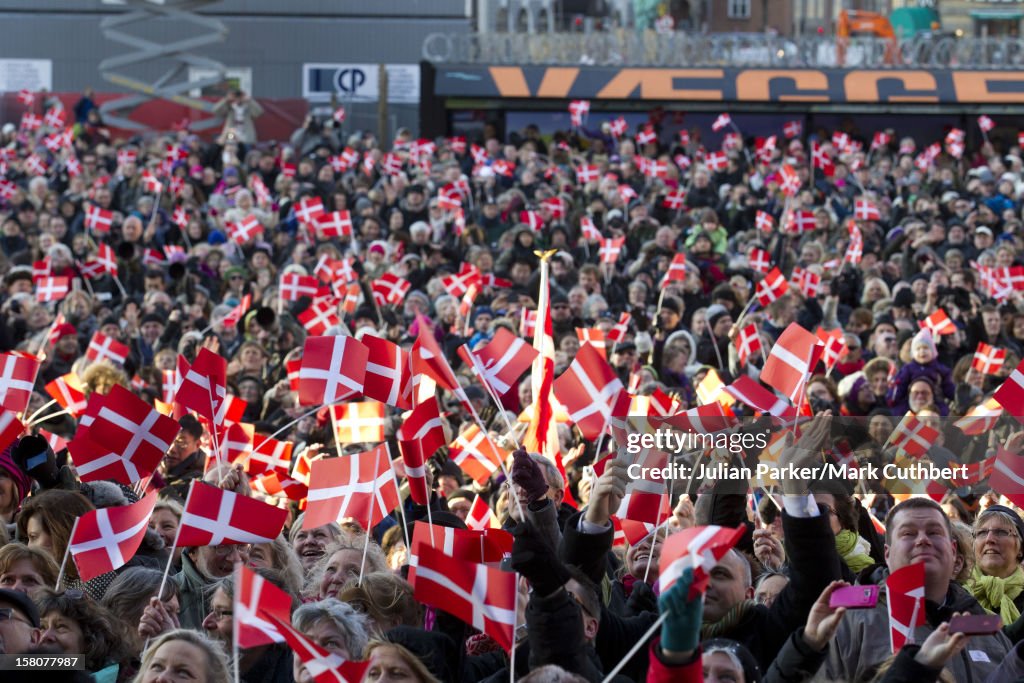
[
  {"x": 854, "y": 597},
  {"x": 976, "y": 624}
]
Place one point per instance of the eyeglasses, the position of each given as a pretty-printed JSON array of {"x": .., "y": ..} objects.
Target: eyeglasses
[
  {"x": 831, "y": 510},
  {"x": 1000, "y": 534},
  {"x": 219, "y": 613},
  {"x": 580, "y": 603},
  {"x": 226, "y": 550},
  {"x": 8, "y": 614}
]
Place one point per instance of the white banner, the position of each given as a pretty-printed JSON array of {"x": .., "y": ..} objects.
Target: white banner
[
  {"x": 360, "y": 82},
  {"x": 26, "y": 74}
]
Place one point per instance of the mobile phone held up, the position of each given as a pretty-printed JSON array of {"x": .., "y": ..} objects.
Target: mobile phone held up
[
  {"x": 854, "y": 597},
  {"x": 976, "y": 624}
]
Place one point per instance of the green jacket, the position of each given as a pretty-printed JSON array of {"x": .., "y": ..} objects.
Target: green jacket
[{"x": 194, "y": 602}]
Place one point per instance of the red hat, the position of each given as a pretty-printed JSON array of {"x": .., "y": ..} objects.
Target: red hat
[{"x": 65, "y": 329}]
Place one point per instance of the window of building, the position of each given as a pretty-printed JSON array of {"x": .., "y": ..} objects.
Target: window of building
[{"x": 739, "y": 9}]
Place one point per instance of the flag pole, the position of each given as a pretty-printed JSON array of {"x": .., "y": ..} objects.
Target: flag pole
[
  {"x": 641, "y": 642},
  {"x": 67, "y": 553},
  {"x": 671, "y": 482},
  {"x": 494, "y": 396},
  {"x": 41, "y": 409},
  {"x": 170, "y": 555},
  {"x": 369, "y": 521},
  {"x": 293, "y": 422},
  {"x": 334, "y": 431},
  {"x": 221, "y": 457},
  {"x": 234, "y": 626},
  {"x": 515, "y": 613},
  {"x": 44, "y": 418}
]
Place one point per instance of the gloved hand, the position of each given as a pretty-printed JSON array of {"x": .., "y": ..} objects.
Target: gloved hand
[
  {"x": 536, "y": 560},
  {"x": 36, "y": 459},
  {"x": 527, "y": 475},
  {"x": 680, "y": 632}
]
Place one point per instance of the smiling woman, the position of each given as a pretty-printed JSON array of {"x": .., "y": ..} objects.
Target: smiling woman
[
  {"x": 183, "y": 655},
  {"x": 998, "y": 580}
]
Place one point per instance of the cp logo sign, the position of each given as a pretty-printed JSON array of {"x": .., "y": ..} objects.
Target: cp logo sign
[{"x": 349, "y": 80}]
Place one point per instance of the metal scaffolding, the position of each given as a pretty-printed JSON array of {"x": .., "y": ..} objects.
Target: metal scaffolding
[{"x": 174, "y": 84}]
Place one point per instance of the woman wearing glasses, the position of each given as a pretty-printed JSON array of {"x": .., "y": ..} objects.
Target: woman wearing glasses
[{"x": 997, "y": 580}]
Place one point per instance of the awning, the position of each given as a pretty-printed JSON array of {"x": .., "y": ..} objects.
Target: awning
[{"x": 997, "y": 14}]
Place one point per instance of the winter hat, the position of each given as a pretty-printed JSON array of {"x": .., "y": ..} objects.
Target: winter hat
[
  {"x": 715, "y": 313},
  {"x": 924, "y": 337},
  {"x": 22, "y": 483}
]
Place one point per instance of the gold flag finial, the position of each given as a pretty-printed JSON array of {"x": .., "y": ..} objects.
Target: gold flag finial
[{"x": 545, "y": 255}]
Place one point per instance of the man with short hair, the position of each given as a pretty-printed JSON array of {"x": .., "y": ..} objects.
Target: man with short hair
[
  {"x": 19, "y": 623},
  {"x": 185, "y": 460},
  {"x": 916, "y": 531}
]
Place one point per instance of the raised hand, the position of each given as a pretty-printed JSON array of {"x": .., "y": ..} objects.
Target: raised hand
[{"x": 823, "y": 621}]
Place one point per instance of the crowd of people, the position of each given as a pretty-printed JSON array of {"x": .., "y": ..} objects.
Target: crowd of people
[{"x": 202, "y": 232}]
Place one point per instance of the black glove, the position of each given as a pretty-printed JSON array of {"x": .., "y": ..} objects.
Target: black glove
[
  {"x": 36, "y": 459},
  {"x": 528, "y": 476},
  {"x": 535, "y": 559}
]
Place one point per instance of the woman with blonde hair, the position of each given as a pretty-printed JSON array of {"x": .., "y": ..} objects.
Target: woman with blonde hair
[
  {"x": 183, "y": 651},
  {"x": 386, "y": 599},
  {"x": 342, "y": 561},
  {"x": 391, "y": 661}
]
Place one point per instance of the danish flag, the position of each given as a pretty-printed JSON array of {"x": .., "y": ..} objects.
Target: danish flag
[
  {"x": 748, "y": 341},
  {"x": 294, "y": 286},
  {"x": 880, "y": 140},
  {"x": 905, "y": 602},
  {"x": 721, "y": 122},
  {"x": 676, "y": 270},
  {"x": 477, "y": 455},
  {"x": 214, "y": 516},
  {"x": 760, "y": 260},
  {"x": 17, "y": 379},
  {"x": 675, "y": 200},
  {"x": 246, "y": 229},
  {"x": 772, "y": 287},
  {"x": 386, "y": 367},
  {"x": 792, "y": 129},
  {"x": 764, "y": 222},
  {"x": 618, "y": 127},
  {"x": 102, "y": 347},
  {"x": 647, "y": 135},
  {"x": 467, "y": 545},
  {"x": 588, "y": 229},
  {"x": 587, "y": 174},
  {"x": 390, "y": 289},
  {"x": 361, "y": 486},
  {"x": 866, "y": 210},
  {"x": 52, "y": 289},
  {"x": 611, "y": 248},
  {"x": 981, "y": 418},
  {"x": 1007, "y": 477},
  {"x": 480, "y": 516},
  {"x": 591, "y": 392},
  {"x": 939, "y": 323},
  {"x": 912, "y": 436},
  {"x": 333, "y": 369},
  {"x": 698, "y": 548},
  {"x": 502, "y": 362},
  {"x": 254, "y": 599},
  {"x": 125, "y": 441},
  {"x": 203, "y": 384},
  {"x": 321, "y": 665},
  {"x": 806, "y": 281},
  {"x": 423, "y": 425},
  {"x": 308, "y": 209},
  {"x": 483, "y": 597},
  {"x": 988, "y": 359},
  {"x": 527, "y": 323},
  {"x": 361, "y": 422},
  {"x": 1010, "y": 394},
  {"x": 105, "y": 539},
  {"x": 801, "y": 222},
  {"x": 457, "y": 285},
  {"x": 30, "y": 122},
  {"x": 106, "y": 259},
  {"x": 98, "y": 219},
  {"x": 270, "y": 455},
  {"x": 334, "y": 224},
  {"x": 790, "y": 361},
  {"x": 717, "y": 161},
  {"x": 68, "y": 392},
  {"x": 578, "y": 110},
  {"x": 790, "y": 184},
  {"x": 750, "y": 392},
  {"x": 985, "y": 123},
  {"x": 26, "y": 97},
  {"x": 833, "y": 344},
  {"x": 318, "y": 318},
  {"x": 276, "y": 486}
]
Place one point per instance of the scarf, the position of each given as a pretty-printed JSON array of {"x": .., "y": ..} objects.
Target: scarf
[
  {"x": 854, "y": 550},
  {"x": 723, "y": 626},
  {"x": 996, "y": 594}
]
